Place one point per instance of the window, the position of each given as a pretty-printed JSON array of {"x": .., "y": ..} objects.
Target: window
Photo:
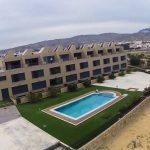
[
  {"x": 18, "y": 77},
  {"x": 38, "y": 85},
  {"x": 13, "y": 65},
  {"x": 37, "y": 73},
  {"x": 70, "y": 67},
  {"x": 78, "y": 55},
  {"x": 55, "y": 70},
  {"x": 106, "y": 61},
  {"x": 64, "y": 57},
  {"x": 101, "y": 52},
  {"x": 96, "y": 62},
  {"x": 56, "y": 81},
  {"x": 2, "y": 78},
  {"x": 115, "y": 67},
  {"x": 84, "y": 75},
  {"x": 117, "y": 49},
  {"x": 90, "y": 53},
  {"x": 107, "y": 69},
  {"x": 19, "y": 89},
  {"x": 32, "y": 61},
  {"x": 83, "y": 65},
  {"x": 115, "y": 59},
  {"x": 71, "y": 78},
  {"x": 96, "y": 72},
  {"x": 123, "y": 66},
  {"x": 110, "y": 51},
  {"x": 123, "y": 58},
  {"x": 49, "y": 59}
]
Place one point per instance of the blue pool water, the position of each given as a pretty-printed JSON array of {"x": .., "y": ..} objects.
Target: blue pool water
[{"x": 84, "y": 105}]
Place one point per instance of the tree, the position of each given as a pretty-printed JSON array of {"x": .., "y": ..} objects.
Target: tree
[{"x": 135, "y": 60}]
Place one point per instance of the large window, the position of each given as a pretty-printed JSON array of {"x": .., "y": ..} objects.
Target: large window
[
  {"x": 64, "y": 57},
  {"x": 78, "y": 55},
  {"x": 115, "y": 59},
  {"x": 123, "y": 58},
  {"x": 96, "y": 62},
  {"x": 13, "y": 65},
  {"x": 84, "y": 75},
  {"x": 106, "y": 61},
  {"x": 18, "y": 77},
  {"x": 56, "y": 81},
  {"x": 49, "y": 59},
  {"x": 70, "y": 67},
  {"x": 37, "y": 73},
  {"x": 19, "y": 89},
  {"x": 2, "y": 78},
  {"x": 110, "y": 51},
  {"x": 55, "y": 70},
  {"x": 96, "y": 72},
  {"x": 115, "y": 67},
  {"x": 39, "y": 85},
  {"x": 32, "y": 61},
  {"x": 71, "y": 78},
  {"x": 83, "y": 65},
  {"x": 90, "y": 53},
  {"x": 107, "y": 69},
  {"x": 101, "y": 52},
  {"x": 123, "y": 66}
]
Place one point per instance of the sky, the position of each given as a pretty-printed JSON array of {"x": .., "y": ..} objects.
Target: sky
[{"x": 29, "y": 21}]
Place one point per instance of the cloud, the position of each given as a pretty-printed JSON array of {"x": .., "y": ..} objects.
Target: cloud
[{"x": 27, "y": 21}]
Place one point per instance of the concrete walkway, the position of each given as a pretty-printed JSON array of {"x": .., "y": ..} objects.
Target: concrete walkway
[
  {"x": 8, "y": 113},
  {"x": 20, "y": 134},
  {"x": 136, "y": 80}
]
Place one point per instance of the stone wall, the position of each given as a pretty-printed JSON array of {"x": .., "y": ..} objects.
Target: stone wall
[{"x": 96, "y": 143}]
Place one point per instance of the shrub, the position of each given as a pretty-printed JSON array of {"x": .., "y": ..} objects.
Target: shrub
[
  {"x": 146, "y": 91},
  {"x": 72, "y": 87},
  {"x": 87, "y": 83},
  {"x": 112, "y": 76},
  {"x": 100, "y": 79},
  {"x": 53, "y": 91},
  {"x": 121, "y": 73},
  {"x": 34, "y": 97}
]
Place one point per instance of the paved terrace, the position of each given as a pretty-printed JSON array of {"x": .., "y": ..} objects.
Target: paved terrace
[
  {"x": 136, "y": 80},
  {"x": 21, "y": 134}
]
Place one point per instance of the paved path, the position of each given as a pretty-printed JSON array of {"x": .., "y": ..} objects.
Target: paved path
[
  {"x": 137, "y": 80},
  {"x": 8, "y": 113}
]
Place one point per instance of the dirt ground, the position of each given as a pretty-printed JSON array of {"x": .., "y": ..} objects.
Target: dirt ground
[{"x": 135, "y": 136}]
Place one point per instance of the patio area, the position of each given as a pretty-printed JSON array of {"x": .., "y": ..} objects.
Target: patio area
[
  {"x": 135, "y": 80},
  {"x": 21, "y": 134}
]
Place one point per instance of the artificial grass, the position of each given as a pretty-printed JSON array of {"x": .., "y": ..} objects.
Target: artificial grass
[{"x": 75, "y": 136}]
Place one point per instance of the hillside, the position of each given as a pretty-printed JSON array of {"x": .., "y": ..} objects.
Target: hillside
[{"x": 143, "y": 34}]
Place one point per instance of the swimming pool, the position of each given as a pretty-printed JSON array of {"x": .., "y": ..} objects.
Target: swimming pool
[{"x": 84, "y": 105}]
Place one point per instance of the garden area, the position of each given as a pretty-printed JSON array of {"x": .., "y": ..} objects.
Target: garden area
[{"x": 76, "y": 136}]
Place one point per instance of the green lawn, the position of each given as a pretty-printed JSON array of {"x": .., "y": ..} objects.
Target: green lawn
[{"x": 74, "y": 136}]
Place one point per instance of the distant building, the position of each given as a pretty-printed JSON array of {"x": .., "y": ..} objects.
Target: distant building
[{"x": 21, "y": 73}]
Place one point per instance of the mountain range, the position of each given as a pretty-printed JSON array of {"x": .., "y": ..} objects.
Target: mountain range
[{"x": 143, "y": 35}]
